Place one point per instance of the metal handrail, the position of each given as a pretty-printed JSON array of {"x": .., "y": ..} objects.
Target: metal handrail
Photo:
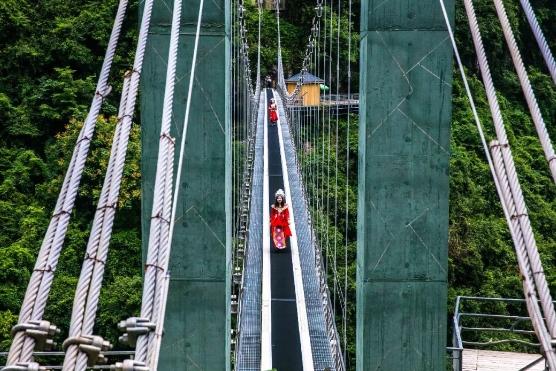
[
  {"x": 61, "y": 354},
  {"x": 332, "y": 331},
  {"x": 458, "y": 343}
]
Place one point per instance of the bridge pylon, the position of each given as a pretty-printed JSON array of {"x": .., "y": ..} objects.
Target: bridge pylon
[
  {"x": 198, "y": 308},
  {"x": 404, "y": 154}
]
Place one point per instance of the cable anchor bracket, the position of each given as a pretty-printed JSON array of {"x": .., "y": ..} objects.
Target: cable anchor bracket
[
  {"x": 133, "y": 327},
  {"x": 129, "y": 365},
  {"x": 92, "y": 345},
  {"x": 40, "y": 331}
]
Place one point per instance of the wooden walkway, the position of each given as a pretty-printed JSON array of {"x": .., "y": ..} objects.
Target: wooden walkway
[{"x": 488, "y": 360}]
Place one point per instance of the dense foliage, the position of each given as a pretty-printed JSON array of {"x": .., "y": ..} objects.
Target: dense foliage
[
  {"x": 50, "y": 56},
  {"x": 51, "y": 53}
]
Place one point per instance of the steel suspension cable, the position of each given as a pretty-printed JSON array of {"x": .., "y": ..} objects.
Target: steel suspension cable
[
  {"x": 34, "y": 302},
  {"x": 521, "y": 221},
  {"x": 162, "y": 201},
  {"x": 336, "y": 164},
  {"x": 344, "y": 317},
  {"x": 329, "y": 119},
  {"x": 95, "y": 256},
  {"x": 528, "y": 287},
  {"x": 521, "y": 252},
  {"x": 88, "y": 289},
  {"x": 539, "y": 36},
  {"x": 153, "y": 360},
  {"x": 527, "y": 88}
]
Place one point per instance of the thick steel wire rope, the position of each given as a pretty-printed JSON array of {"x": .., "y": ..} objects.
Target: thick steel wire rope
[
  {"x": 530, "y": 294},
  {"x": 521, "y": 253},
  {"x": 233, "y": 92},
  {"x": 344, "y": 317},
  {"x": 161, "y": 209},
  {"x": 527, "y": 88},
  {"x": 336, "y": 143},
  {"x": 329, "y": 119},
  {"x": 523, "y": 219},
  {"x": 38, "y": 289},
  {"x": 539, "y": 36},
  {"x": 89, "y": 286},
  {"x": 315, "y": 147},
  {"x": 160, "y": 303},
  {"x": 91, "y": 255},
  {"x": 240, "y": 79},
  {"x": 236, "y": 92},
  {"x": 318, "y": 171},
  {"x": 280, "y": 81},
  {"x": 235, "y": 10}
]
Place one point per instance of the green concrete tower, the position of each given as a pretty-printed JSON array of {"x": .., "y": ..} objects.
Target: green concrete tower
[
  {"x": 404, "y": 156},
  {"x": 197, "y": 322}
]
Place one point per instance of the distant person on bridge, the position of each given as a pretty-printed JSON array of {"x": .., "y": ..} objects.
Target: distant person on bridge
[
  {"x": 280, "y": 221},
  {"x": 268, "y": 81},
  {"x": 273, "y": 110}
]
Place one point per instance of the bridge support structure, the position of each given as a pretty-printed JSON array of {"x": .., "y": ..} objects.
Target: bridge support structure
[
  {"x": 197, "y": 320},
  {"x": 404, "y": 144}
]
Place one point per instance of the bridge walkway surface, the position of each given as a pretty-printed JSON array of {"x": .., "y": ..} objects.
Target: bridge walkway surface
[{"x": 296, "y": 337}]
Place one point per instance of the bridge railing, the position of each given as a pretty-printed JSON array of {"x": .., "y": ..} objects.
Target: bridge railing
[
  {"x": 113, "y": 355},
  {"x": 329, "y": 315},
  {"x": 502, "y": 328},
  {"x": 240, "y": 250}
]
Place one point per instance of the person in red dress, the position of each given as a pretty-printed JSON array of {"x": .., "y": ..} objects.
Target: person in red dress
[
  {"x": 280, "y": 220},
  {"x": 273, "y": 110}
]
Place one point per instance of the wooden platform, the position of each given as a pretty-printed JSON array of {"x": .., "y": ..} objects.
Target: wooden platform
[{"x": 488, "y": 360}]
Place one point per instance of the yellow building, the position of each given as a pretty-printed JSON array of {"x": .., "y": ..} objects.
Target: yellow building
[{"x": 310, "y": 90}]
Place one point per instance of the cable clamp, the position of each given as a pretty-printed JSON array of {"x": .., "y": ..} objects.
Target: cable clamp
[
  {"x": 154, "y": 266},
  {"x": 113, "y": 206},
  {"x": 90, "y": 257},
  {"x": 61, "y": 212},
  {"x": 25, "y": 366},
  {"x": 92, "y": 345},
  {"x": 318, "y": 8},
  {"x": 120, "y": 119},
  {"x": 167, "y": 136},
  {"x": 517, "y": 216},
  {"x": 129, "y": 365},
  {"x": 496, "y": 143},
  {"x": 40, "y": 331},
  {"x": 82, "y": 139},
  {"x": 159, "y": 216},
  {"x": 551, "y": 159},
  {"x": 134, "y": 327},
  {"x": 106, "y": 91},
  {"x": 48, "y": 269}
]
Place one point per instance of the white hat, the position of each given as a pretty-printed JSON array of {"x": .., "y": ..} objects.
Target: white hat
[{"x": 280, "y": 192}]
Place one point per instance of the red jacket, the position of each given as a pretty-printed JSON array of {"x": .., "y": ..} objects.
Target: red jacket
[
  {"x": 273, "y": 108},
  {"x": 280, "y": 217}
]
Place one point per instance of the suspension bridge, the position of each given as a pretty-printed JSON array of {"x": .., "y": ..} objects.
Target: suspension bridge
[{"x": 217, "y": 293}]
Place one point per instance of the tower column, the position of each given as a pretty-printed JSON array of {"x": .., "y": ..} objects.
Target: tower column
[
  {"x": 404, "y": 145},
  {"x": 197, "y": 320}
]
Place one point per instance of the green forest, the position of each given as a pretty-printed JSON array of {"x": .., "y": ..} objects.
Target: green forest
[{"x": 50, "y": 56}]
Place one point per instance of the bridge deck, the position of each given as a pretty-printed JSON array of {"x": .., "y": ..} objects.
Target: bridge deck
[
  {"x": 251, "y": 344},
  {"x": 488, "y": 360}
]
